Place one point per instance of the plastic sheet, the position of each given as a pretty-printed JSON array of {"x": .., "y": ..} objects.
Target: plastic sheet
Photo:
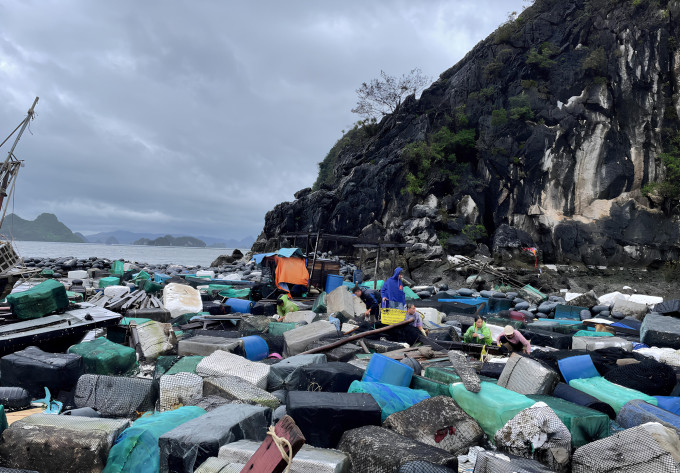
[
  {"x": 324, "y": 417},
  {"x": 390, "y": 398},
  {"x": 136, "y": 449},
  {"x": 222, "y": 363},
  {"x": 585, "y": 424},
  {"x": 185, "y": 447},
  {"x": 375, "y": 449},
  {"x": 438, "y": 422},
  {"x": 492, "y": 407},
  {"x": 577, "y": 367},
  {"x": 55, "y": 371},
  {"x": 100, "y": 356},
  {"x": 328, "y": 377},
  {"x": 649, "y": 377},
  {"x": 433, "y": 388},
  {"x": 284, "y": 374},
  {"x": 613, "y": 394},
  {"x": 115, "y": 396}
]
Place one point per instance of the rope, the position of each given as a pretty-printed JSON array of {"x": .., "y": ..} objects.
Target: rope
[{"x": 280, "y": 442}]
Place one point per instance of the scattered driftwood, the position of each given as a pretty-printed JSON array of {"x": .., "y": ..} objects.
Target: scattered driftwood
[{"x": 354, "y": 337}]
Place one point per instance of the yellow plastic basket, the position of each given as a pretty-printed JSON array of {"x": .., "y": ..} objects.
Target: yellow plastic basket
[{"x": 392, "y": 316}]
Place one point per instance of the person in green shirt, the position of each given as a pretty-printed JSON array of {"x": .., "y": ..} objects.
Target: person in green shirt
[
  {"x": 478, "y": 333},
  {"x": 283, "y": 306}
]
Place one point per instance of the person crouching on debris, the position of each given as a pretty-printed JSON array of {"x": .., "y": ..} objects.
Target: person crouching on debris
[
  {"x": 512, "y": 340},
  {"x": 283, "y": 306},
  {"x": 478, "y": 333},
  {"x": 411, "y": 313},
  {"x": 370, "y": 298},
  {"x": 392, "y": 291}
]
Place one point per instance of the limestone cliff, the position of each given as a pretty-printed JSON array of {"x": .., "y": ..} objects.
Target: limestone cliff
[{"x": 544, "y": 134}]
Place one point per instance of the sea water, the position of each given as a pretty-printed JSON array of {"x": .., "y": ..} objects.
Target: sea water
[{"x": 134, "y": 253}]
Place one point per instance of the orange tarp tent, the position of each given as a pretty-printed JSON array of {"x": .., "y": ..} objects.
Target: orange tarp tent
[{"x": 291, "y": 270}]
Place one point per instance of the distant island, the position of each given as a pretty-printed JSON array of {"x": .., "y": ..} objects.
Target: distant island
[
  {"x": 45, "y": 227},
  {"x": 169, "y": 240}
]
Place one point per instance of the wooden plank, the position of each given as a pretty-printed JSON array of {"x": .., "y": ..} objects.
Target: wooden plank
[
  {"x": 267, "y": 458},
  {"x": 18, "y": 415}
]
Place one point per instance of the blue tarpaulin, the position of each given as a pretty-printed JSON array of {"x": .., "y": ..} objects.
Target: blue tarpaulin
[{"x": 283, "y": 253}]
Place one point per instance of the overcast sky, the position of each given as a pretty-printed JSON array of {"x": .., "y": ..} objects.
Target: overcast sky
[{"x": 197, "y": 117}]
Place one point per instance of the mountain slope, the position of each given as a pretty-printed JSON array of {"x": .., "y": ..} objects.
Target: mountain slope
[
  {"x": 46, "y": 227},
  {"x": 545, "y": 134}
]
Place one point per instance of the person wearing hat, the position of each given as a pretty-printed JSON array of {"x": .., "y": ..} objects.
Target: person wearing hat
[
  {"x": 512, "y": 340},
  {"x": 283, "y": 306}
]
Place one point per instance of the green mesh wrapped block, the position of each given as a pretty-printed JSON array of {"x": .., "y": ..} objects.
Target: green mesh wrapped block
[
  {"x": 186, "y": 364},
  {"x": 448, "y": 375},
  {"x": 434, "y": 388},
  {"x": 110, "y": 281},
  {"x": 137, "y": 320},
  {"x": 613, "y": 394},
  {"x": 492, "y": 407},
  {"x": 41, "y": 300},
  {"x": 149, "y": 286},
  {"x": 118, "y": 267},
  {"x": 410, "y": 295},
  {"x": 230, "y": 291},
  {"x": 102, "y": 356},
  {"x": 319, "y": 306},
  {"x": 142, "y": 275},
  {"x": 136, "y": 449},
  {"x": 279, "y": 328},
  {"x": 586, "y": 425}
]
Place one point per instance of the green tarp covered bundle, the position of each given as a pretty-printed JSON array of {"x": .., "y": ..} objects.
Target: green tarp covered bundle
[
  {"x": 585, "y": 425},
  {"x": 41, "y": 300},
  {"x": 320, "y": 306},
  {"x": 492, "y": 407},
  {"x": 613, "y": 394},
  {"x": 102, "y": 356},
  {"x": 231, "y": 291},
  {"x": 448, "y": 375},
  {"x": 117, "y": 267},
  {"x": 110, "y": 281},
  {"x": 279, "y": 328},
  {"x": 590, "y": 333},
  {"x": 136, "y": 449},
  {"x": 433, "y": 388},
  {"x": 149, "y": 286}
]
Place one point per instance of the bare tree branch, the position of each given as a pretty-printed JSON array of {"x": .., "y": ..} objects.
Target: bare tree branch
[{"x": 382, "y": 96}]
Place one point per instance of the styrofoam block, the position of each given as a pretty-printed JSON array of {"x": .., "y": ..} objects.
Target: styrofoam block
[
  {"x": 204, "y": 273},
  {"x": 298, "y": 339},
  {"x": 629, "y": 308},
  {"x": 342, "y": 301},
  {"x": 431, "y": 314},
  {"x": 204, "y": 345},
  {"x": 300, "y": 316},
  {"x": 596, "y": 343},
  {"x": 116, "y": 291},
  {"x": 571, "y": 296},
  {"x": 650, "y": 301},
  {"x": 495, "y": 330},
  {"x": 181, "y": 299},
  {"x": 77, "y": 275},
  {"x": 610, "y": 298}
]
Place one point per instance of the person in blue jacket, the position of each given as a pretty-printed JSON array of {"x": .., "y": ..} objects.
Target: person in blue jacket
[
  {"x": 392, "y": 291},
  {"x": 370, "y": 298}
]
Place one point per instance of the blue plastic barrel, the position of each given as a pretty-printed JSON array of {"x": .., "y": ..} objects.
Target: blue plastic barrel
[
  {"x": 382, "y": 369},
  {"x": 241, "y": 306},
  {"x": 577, "y": 367},
  {"x": 333, "y": 281},
  {"x": 256, "y": 347}
]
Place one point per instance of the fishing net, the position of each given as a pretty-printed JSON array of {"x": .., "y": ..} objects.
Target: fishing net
[
  {"x": 420, "y": 466},
  {"x": 627, "y": 451},
  {"x": 526, "y": 376},
  {"x": 179, "y": 389},
  {"x": 648, "y": 376},
  {"x": 76, "y": 444},
  {"x": 377, "y": 450},
  {"x": 464, "y": 369},
  {"x": 217, "y": 465},
  {"x": 537, "y": 433},
  {"x": 222, "y": 363},
  {"x": 115, "y": 396},
  {"x": 438, "y": 422},
  {"x": 496, "y": 462},
  {"x": 238, "y": 389}
]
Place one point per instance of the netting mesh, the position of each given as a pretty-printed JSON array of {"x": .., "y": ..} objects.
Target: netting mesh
[
  {"x": 628, "y": 451},
  {"x": 76, "y": 444},
  {"x": 378, "y": 450},
  {"x": 115, "y": 396},
  {"x": 235, "y": 388},
  {"x": 217, "y": 465},
  {"x": 307, "y": 460},
  {"x": 438, "y": 422},
  {"x": 424, "y": 467},
  {"x": 179, "y": 389},
  {"x": 648, "y": 376},
  {"x": 464, "y": 369},
  {"x": 496, "y": 462},
  {"x": 539, "y": 434},
  {"x": 526, "y": 376},
  {"x": 222, "y": 363}
]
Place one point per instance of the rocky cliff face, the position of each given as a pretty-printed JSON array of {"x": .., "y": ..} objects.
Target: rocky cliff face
[{"x": 543, "y": 135}]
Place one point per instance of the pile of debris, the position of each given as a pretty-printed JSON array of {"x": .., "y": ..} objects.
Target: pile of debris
[{"x": 133, "y": 370}]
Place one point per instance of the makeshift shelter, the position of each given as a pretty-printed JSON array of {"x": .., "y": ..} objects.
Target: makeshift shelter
[{"x": 289, "y": 267}]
